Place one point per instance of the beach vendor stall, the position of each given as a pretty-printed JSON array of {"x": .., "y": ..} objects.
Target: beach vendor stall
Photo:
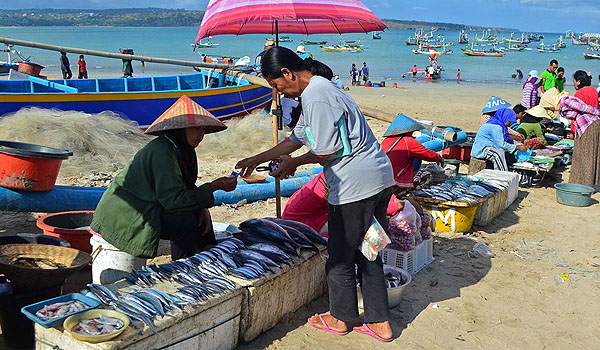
[
  {"x": 493, "y": 141},
  {"x": 309, "y": 204},
  {"x": 155, "y": 195},
  {"x": 585, "y": 169},
  {"x": 335, "y": 131}
]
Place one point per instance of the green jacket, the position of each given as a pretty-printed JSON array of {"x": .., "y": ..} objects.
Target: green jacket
[{"x": 129, "y": 212}]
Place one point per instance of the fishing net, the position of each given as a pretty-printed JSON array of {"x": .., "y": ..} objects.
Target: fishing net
[
  {"x": 244, "y": 137},
  {"x": 100, "y": 142}
]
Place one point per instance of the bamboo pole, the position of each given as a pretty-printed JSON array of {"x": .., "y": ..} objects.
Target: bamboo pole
[{"x": 113, "y": 55}]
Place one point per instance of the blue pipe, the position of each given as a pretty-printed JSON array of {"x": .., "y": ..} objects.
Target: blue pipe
[
  {"x": 68, "y": 198},
  {"x": 303, "y": 173},
  {"x": 436, "y": 142}
]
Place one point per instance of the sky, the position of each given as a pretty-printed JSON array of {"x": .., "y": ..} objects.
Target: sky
[{"x": 527, "y": 15}]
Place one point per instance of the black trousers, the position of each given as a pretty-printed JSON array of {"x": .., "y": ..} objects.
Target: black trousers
[
  {"x": 186, "y": 233},
  {"x": 67, "y": 74},
  {"x": 348, "y": 224}
]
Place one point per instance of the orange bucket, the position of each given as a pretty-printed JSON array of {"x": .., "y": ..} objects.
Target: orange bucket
[
  {"x": 29, "y": 167},
  {"x": 72, "y": 226},
  {"x": 30, "y": 68}
]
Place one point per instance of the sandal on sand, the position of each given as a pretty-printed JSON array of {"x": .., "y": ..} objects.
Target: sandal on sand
[
  {"x": 326, "y": 326},
  {"x": 371, "y": 333}
]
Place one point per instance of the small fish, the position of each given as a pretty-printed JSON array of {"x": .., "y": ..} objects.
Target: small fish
[
  {"x": 308, "y": 231},
  {"x": 267, "y": 229}
]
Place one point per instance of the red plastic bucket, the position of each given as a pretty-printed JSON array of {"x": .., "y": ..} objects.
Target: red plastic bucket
[
  {"x": 28, "y": 167},
  {"x": 72, "y": 226}
]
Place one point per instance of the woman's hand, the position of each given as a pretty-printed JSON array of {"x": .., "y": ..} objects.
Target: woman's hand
[
  {"x": 224, "y": 183},
  {"x": 286, "y": 168},
  {"x": 247, "y": 166},
  {"x": 522, "y": 148}
]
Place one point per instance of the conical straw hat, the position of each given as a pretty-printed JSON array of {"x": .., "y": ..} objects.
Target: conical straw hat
[
  {"x": 494, "y": 104},
  {"x": 402, "y": 125},
  {"x": 185, "y": 113}
]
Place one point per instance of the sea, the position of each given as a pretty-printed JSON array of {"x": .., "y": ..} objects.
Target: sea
[{"x": 388, "y": 59}]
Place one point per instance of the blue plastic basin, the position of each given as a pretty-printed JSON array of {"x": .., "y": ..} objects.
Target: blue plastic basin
[
  {"x": 30, "y": 310},
  {"x": 574, "y": 195}
]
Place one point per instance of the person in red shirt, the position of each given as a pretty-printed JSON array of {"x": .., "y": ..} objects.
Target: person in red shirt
[
  {"x": 82, "y": 68},
  {"x": 458, "y": 76},
  {"x": 309, "y": 204}
]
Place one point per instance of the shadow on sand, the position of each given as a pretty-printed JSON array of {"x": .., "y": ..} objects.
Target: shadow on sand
[{"x": 442, "y": 280}]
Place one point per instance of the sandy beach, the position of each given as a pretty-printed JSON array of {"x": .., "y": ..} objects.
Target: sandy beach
[{"x": 538, "y": 292}]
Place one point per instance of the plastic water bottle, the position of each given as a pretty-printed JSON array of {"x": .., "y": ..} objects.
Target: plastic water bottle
[{"x": 6, "y": 287}]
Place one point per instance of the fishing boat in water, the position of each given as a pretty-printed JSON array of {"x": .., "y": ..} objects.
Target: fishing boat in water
[
  {"x": 282, "y": 39},
  {"x": 308, "y": 42},
  {"x": 547, "y": 48},
  {"x": 10, "y": 63},
  {"x": 342, "y": 48},
  {"x": 139, "y": 99},
  {"x": 591, "y": 56},
  {"x": 487, "y": 37},
  {"x": 483, "y": 52},
  {"x": 561, "y": 43}
]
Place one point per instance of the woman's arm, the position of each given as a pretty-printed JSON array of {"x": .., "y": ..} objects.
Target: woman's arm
[{"x": 248, "y": 165}]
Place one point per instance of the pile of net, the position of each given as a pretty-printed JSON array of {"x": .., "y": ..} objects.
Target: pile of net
[{"x": 101, "y": 143}]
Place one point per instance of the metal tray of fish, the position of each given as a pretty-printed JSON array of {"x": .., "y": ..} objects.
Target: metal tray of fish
[{"x": 31, "y": 310}]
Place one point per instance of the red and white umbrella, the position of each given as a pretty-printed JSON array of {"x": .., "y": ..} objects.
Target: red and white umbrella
[{"x": 306, "y": 17}]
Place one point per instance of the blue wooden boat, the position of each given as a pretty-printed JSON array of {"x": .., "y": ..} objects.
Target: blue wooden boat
[{"x": 141, "y": 99}]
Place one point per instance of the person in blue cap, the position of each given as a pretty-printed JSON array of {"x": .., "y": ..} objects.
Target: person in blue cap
[
  {"x": 490, "y": 108},
  {"x": 492, "y": 141}
]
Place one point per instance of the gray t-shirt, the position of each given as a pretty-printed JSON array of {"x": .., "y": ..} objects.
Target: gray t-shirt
[{"x": 331, "y": 122}]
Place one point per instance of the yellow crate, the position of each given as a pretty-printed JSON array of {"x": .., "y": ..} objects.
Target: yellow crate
[{"x": 451, "y": 218}]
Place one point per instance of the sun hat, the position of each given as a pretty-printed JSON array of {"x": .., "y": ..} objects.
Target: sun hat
[
  {"x": 534, "y": 73},
  {"x": 551, "y": 98},
  {"x": 402, "y": 125},
  {"x": 538, "y": 112},
  {"x": 301, "y": 49},
  {"x": 185, "y": 113},
  {"x": 494, "y": 104}
]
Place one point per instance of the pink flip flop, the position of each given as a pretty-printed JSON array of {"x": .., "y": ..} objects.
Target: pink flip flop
[
  {"x": 371, "y": 333},
  {"x": 326, "y": 326}
]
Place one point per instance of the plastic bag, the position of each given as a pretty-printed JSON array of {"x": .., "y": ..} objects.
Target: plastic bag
[
  {"x": 404, "y": 222},
  {"x": 426, "y": 220},
  {"x": 418, "y": 237},
  {"x": 402, "y": 243},
  {"x": 374, "y": 241}
]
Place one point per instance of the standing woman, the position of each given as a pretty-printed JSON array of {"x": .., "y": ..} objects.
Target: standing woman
[
  {"x": 585, "y": 91},
  {"x": 359, "y": 179},
  {"x": 155, "y": 196},
  {"x": 585, "y": 169},
  {"x": 530, "y": 90}
]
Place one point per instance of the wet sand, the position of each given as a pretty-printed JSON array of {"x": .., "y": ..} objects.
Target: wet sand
[{"x": 538, "y": 292}]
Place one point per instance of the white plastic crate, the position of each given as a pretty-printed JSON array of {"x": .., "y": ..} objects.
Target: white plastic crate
[{"x": 412, "y": 261}]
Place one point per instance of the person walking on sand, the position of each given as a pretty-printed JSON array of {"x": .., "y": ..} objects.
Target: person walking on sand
[
  {"x": 65, "y": 66},
  {"x": 82, "y": 68},
  {"x": 549, "y": 76},
  {"x": 365, "y": 72},
  {"x": 337, "y": 135}
]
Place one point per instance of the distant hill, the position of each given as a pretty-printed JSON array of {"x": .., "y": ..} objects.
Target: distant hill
[
  {"x": 158, "y": 17},
  {"x": 401, "y": 24}
]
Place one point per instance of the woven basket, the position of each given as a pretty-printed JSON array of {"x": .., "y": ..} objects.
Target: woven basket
[{"x": 25, "y": 278}]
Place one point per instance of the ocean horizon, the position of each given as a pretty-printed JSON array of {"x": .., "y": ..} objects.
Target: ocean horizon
[{"x": 388, "y": 58}]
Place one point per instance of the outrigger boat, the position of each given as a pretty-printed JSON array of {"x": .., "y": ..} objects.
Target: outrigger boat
[
  {"x": 11, "y": 63},
  {"x": 429, "y": 50},
  {"x": 524, "y": 39},
  {"x": 207, "y": 45},
  {"x": 307, "y": 42},
  {"x": 547, "y": 48},
  {"x": 140, "y": 99},
  {"x": 340, "y": 48},
  {"x": 493, "y": 52},
  {"x": 283, "y": 39},
  {"x": 487, "y": 37},
  {"x": 591, "y": 56}
]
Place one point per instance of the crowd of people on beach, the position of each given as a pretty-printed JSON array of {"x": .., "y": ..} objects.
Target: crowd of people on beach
[{"x": 545, "y": 113}]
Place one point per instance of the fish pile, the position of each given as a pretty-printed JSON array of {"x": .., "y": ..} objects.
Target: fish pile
[
  {"x": 57, "y": 310},
  {"x": 98, "y": 326},
  {"x": 36, "y": 262},
  {"x": 462, "y": 191},
  {"x": 394, "y": 280}
]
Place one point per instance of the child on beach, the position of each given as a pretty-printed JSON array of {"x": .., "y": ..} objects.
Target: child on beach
[{"x": 82, "y": 68}]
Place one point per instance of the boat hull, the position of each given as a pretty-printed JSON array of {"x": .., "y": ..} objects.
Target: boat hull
[{"x": 144, "y": 107}]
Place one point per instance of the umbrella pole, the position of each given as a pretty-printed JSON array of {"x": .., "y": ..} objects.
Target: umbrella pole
[{"x": 274, "y": 107}]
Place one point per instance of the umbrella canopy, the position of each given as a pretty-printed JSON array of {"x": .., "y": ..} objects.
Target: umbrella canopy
[{"x": 287, "y": 16}]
